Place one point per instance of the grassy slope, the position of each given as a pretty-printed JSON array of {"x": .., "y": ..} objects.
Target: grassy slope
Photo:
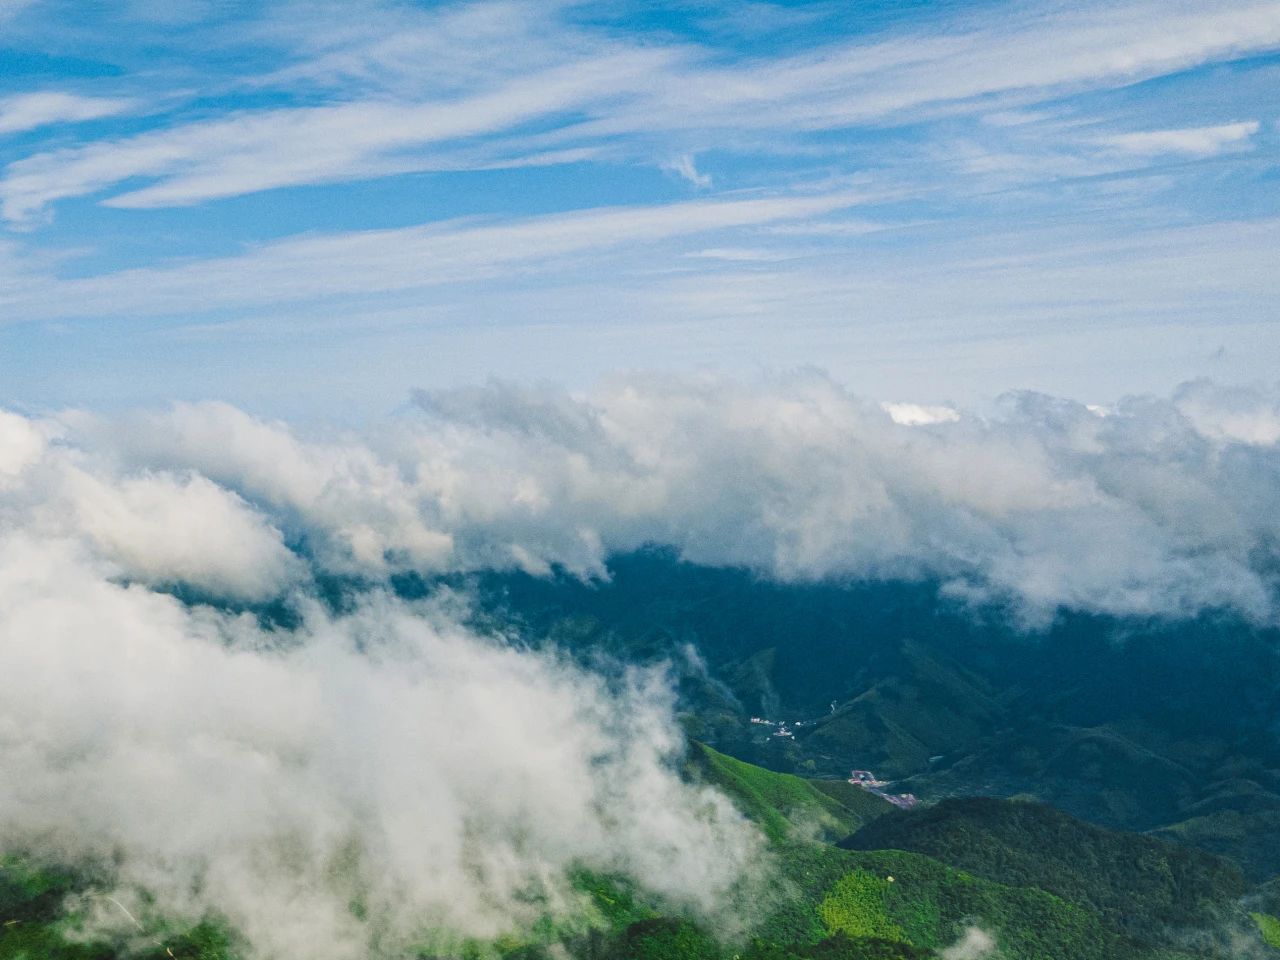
[
  {"x": 1269, "y": 928},
  {"x": 784, "y": 805},
  {"x": 824, "y": 890}
]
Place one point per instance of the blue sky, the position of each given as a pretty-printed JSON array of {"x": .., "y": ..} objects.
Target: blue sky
[{"x": 312, "y": 208}]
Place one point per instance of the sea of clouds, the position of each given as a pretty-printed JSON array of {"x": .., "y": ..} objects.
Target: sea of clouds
[
  {"x": 388, "y": 756},
  {"x": 1156, "y": 507}
]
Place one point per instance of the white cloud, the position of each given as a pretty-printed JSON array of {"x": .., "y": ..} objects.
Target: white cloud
[
  {"x": 28, "y": 111},
  {"x": 684, "y": 166},
  {"x": 22, "y": 443},
  {"x": 1082, "y": 46},
  {"x": 356, "y": 509},
  {"x": 276, "y": 776},
  {"x": 916, "y": 414},
  {"x": 414, "y": 51},
  {"x": 742, "y": 254},
  {"x": 1240, "y": 414},
  {"x": 150, "y": 526},
  {"x": 974, "y": 945},
  {"x": 796, "y": 478},
  {"x": 1194, "y": 141},
  {"x": 165, "y": 529}
]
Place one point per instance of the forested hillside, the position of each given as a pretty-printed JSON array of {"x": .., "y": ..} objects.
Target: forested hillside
[{"x": 1150, "y": 725}]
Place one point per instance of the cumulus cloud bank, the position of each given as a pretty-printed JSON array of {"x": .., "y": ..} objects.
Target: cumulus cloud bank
[{"x": 1156, "y": 507}]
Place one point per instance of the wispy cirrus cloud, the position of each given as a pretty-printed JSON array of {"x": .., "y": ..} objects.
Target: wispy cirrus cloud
[
  {"x": 1026, "y": 164},
  {"x": 684, "y": 166},
  {"x": 589, "y": 88},
  {"x": 1192, "y": 141},
  {"x": 1035, "y": 55},
  {"x": 30, "y": 111},
  {"x": 381, "y": 261},
  {"x": 415, "y": 52},
  {"x": 254, "y": 151}
]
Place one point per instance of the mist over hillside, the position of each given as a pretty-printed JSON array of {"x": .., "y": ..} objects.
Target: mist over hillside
[{"x": 342, "y": 690}]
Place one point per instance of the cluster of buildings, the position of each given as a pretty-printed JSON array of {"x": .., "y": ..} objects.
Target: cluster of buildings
[
  {"x": 867, "y": 781},
  {"x": 781, "y": 730}
]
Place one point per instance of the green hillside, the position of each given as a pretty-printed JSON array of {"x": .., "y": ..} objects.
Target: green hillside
[
  {"x": 1139, "y": 884},
  {"x": 1137, "y": 725},
  {"x": 786, "y": 805}
]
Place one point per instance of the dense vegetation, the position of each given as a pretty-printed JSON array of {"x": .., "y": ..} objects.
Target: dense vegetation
[
  {"x": 41, "y": 913},
  {"x": 1148, "y": 726},
  {"x": 1140, "y": 884}
]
